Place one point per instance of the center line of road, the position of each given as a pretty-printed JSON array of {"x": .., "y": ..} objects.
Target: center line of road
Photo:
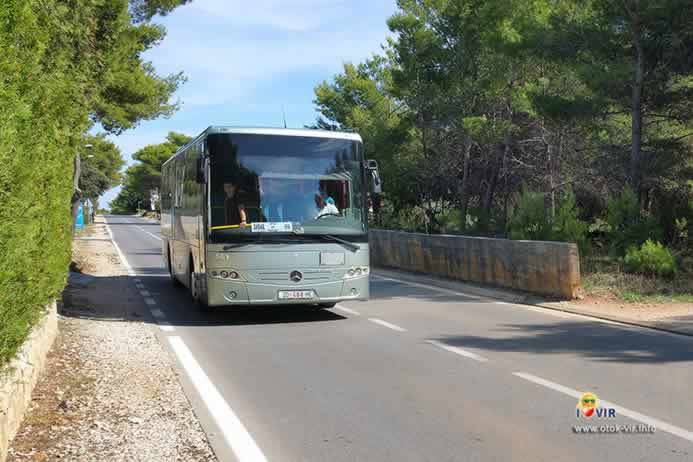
[
  {"x": 458, "y": 351},
  {"x": 387, "y": 324},
  {"x": 658, "y": 424},
  {"x": 151, "y": 234},
  {"x": 144, "y": 293},
  {"x": 235, "y": 433},
  {"x": 149, "y": 301},
  {"x": 347, "y": 310}
]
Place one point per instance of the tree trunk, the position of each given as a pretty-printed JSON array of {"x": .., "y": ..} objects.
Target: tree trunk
[
  {"x": 553, "y": 156},
  {"x": 552, "y": 181},
  {"x": 77, "y": 194},
  {"x": 464, "y": 196},
  {"x": 636, "y": 114},
  {"x": 491, "y": 186}
]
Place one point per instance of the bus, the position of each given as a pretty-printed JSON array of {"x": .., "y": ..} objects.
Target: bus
[{"x": 268, "y": 217}]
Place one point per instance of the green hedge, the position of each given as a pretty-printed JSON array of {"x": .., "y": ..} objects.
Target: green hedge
[{"x": 42, "y": 115}]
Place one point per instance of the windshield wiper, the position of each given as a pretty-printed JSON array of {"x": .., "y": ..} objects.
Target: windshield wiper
[
  {"x": 329, "y": 237},
  {"x": 260, "y": 240}
]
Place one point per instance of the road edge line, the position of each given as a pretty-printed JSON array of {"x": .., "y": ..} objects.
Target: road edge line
[
  {"x": 235, "y": 433},
  {"x": 120, "y": 252}
]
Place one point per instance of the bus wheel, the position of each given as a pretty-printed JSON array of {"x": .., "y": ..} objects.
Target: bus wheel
[
  {"x": 174, "y": 279},
  {"x": 327, "y": 305},
  {"x": 200, "y": 304}
]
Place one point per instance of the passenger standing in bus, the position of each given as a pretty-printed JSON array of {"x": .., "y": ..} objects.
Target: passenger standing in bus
[{"x": 234, "y": 209}]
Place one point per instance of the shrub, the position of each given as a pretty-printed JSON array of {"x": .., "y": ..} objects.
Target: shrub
[
  {"x": 651, "y": 258},
  {"x": 529, "y": 220},
  {"x": 42, "y": 118},
  {"x": 567, "y": 227},
  {"x": 628, "y": 227},
  {"x": 451, "y": 221}
]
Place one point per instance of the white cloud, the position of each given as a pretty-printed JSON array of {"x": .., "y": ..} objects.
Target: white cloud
[{"x": 228, "y": 51}]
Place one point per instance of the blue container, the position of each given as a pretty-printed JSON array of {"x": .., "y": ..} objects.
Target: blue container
[{"x": 79, "y": 223}]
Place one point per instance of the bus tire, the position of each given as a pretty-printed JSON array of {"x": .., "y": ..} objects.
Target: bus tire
[
  {"x": 199, "y": 304},
  {"x": 174, "y": 280}
]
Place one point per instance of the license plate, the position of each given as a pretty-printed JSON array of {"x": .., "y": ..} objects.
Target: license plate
[
  {"x": 295, "y": 294},
  {"x": 272, "y": 227}
]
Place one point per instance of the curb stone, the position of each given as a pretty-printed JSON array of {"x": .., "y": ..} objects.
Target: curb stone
[{"x": 19, "y": 377}]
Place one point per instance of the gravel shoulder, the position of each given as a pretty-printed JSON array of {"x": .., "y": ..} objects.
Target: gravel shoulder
[
  {"x": 109, "y": 392},
  {"x": 650, "y": 312}
]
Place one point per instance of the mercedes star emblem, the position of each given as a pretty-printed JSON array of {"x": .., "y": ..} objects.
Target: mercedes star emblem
[{"x": 296, "y": 276}]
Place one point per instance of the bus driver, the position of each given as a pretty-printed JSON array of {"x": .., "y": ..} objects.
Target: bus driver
[{"x": 234, "y": 208}]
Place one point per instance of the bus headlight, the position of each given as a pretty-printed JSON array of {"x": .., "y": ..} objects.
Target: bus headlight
[{"x": 356, "y": 271}]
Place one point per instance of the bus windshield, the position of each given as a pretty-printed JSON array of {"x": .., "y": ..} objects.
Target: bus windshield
[{"x": 286, "y": 184}]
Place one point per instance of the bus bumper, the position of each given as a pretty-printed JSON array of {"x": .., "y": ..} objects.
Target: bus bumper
[{"x": 225, "y": 292}]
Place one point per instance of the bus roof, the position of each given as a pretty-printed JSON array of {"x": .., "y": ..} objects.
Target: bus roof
[{"x": 307, "y": 132}]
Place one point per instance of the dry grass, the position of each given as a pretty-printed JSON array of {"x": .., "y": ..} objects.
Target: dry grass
[{"x": 604, "y": 277}]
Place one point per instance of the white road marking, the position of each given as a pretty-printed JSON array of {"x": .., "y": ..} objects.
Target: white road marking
[
  {"x": 154, "y": 236},
  {"x": 347, "y": 310},
  {"x": 139, "y": 286},
  {"x": 157, "y": 313},
  {"x": 387, "y": 324},
  {"x": 149, "y": 301},
  {"x": 429, "y": 287},
  {"x": 458, "y": 351},
  {"x": 567, "y": 315},
  {"x": 160, "y": 319},
  {"x": 658, "y": 424},
  {"x": 145, "y": 293},
  {"x": 120, "y": 253},
  {"x": 547, "y": 311},
  {"x": 235, "y": 433},
  {"x": 151, "y": 234},
  {"x": 138, "y": 280}
]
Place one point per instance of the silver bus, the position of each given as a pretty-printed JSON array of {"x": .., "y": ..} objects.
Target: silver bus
[{"x": 268, "y": 216}]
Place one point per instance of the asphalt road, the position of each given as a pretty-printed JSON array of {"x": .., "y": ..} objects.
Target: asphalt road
[{"x": 418, "y": 373}]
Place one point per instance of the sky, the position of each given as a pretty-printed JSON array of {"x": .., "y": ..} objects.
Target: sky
[{"x": 245, "y": 60}]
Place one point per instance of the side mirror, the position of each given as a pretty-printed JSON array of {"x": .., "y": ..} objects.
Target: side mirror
[
  {"x": 374, "y": 177},
  {"x": 201, "y": 176}
]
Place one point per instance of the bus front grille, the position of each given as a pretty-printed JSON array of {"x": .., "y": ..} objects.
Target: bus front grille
[{"x": 283, "y": 276}]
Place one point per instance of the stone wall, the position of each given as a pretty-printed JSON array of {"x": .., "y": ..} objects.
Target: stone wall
[
  {"x": 19, "y": 377},
  {"x": 546, "y": 268}
]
